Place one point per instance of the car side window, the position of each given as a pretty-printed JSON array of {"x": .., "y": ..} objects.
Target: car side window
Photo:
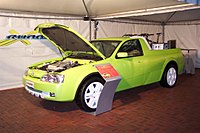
[{"x": 132, "y": 47}]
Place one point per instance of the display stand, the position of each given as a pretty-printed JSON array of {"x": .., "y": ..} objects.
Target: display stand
[{"x": 112, "y": 79}]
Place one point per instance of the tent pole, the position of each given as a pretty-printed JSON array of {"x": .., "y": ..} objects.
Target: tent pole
[
  {"x": 164, "y": 23},
  {"x": 163, "y": 32},
  {"x": 90, "y": 29},
  {"x": 90, "y": 21},
  {"x": 96, "y": 23},
  {"x": 95, "y": 29}
]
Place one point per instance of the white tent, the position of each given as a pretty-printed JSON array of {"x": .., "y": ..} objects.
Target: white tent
[
  {"x": 177, "y": 19},
  {"x": 95, "y": 8}
]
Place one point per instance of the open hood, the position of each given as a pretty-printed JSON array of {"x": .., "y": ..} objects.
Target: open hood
[{"x": 66, "y": 39}]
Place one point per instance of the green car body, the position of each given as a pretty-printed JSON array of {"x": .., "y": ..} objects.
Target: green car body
[{"x": 140, "y": 68}]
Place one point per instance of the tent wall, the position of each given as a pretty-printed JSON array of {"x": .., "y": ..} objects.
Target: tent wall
[
  {"x": 16, "y": 57},
  {"x": 187, "y": 37},
  {"x": 116, "y": 29}
]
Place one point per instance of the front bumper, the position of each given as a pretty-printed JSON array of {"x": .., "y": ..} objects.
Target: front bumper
[
  {"x": 44, "y": 90},
  {"x": 37, "y": 93}
]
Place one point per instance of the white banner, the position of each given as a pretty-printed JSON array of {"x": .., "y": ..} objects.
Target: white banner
[{"x": 17, "y": 55}]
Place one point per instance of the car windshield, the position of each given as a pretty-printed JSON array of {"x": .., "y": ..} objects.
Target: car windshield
[{"x": 106, "y": 47}]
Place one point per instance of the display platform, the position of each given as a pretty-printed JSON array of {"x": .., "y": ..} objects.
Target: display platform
[{"x": 112, "y": 79}]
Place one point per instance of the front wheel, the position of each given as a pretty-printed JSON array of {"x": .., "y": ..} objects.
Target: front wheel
[
  {"x": 169, "y": 77},
  {"x": 89, "y": 93}
]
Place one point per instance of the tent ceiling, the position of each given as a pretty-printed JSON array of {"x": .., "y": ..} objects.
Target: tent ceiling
[
  {"x": 98, "y": 8},
  {"x": 178, "y": 16}
]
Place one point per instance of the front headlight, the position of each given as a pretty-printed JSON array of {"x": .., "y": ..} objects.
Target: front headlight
[{"x": 53, "y": 78}]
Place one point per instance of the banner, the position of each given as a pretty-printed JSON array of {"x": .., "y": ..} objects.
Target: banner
[{"x": 19, "y": 48}]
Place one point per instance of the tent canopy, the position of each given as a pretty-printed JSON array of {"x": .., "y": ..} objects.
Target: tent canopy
[
  {"x": 169, "y": 17},
  {"x": 145, "y": 10}
]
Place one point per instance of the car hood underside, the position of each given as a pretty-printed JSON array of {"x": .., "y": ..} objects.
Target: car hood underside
[{"x": 66, "y": 39}]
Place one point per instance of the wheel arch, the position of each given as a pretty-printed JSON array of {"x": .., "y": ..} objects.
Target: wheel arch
[
  {"x": 94, "y": 74},
  {"x": 167, "y": 63}
]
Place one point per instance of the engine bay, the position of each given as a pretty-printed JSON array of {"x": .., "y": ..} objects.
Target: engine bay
[{"x": 58, "y": 65}]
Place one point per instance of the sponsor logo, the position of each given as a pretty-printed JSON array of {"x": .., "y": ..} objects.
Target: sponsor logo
[{"x": 23, "y": 38}]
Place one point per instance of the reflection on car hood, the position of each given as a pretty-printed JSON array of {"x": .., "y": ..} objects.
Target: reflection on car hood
[{"x": 65, "y": 38}]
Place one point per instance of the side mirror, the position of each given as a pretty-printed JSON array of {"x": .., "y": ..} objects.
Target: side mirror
[{"x": 122, "y": 54}]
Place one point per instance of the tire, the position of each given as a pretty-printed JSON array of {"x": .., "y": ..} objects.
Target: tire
[
  {"x": 89, "y": 93},
  {"x": 170, "y": 76}
]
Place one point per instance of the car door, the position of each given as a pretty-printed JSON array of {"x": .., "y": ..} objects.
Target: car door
[{"x": 130, "y": 66}]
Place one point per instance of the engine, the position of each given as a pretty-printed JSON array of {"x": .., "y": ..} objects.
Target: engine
[{"x": 59, "y": 66}]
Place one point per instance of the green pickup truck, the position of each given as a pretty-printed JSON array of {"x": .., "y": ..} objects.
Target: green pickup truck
[{"x": 74, "y": 76}]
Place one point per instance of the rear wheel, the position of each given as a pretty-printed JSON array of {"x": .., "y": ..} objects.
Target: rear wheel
[
  {"x": 89, "y": 93},
  {"x": 170, "y": 76}
]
